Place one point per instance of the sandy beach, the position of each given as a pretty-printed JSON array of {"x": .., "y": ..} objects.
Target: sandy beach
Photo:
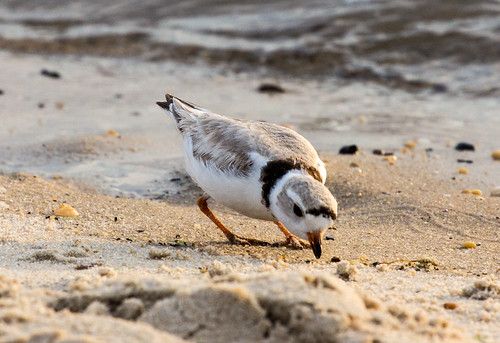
[
  {"x": 415, "y": 252},
  {"x": 131, "y": 270}
]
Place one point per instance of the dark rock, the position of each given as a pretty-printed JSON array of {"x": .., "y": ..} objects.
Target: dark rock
[
  {"x": 1, "y": 92},
  {"x": 462, "y": 146},
  {"x": 41, "y": 105},
  {"x": 329, "y": 238},
  {"x": 465, "y": 161},
  {"x": 348, "y": 150},
  {"x": 382, "y": 152},
  {"x": 270, "y": 88},
  {"x": 335, "y": 259},
  {"x": 51, "y": 74},
  {"x": 439, "y": 88},
  {"x": 429, "y": 150}
]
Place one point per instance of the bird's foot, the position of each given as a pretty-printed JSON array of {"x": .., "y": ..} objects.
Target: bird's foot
[
  {"x": 293, "y": 242},
  {"x": 235, "y": 239}
]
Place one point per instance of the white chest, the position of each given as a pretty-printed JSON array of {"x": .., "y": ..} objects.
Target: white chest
[{"x": 242, "y": 194}]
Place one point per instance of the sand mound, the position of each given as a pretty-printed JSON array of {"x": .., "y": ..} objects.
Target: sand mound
[
  {"x": 24, "y": 317},
  {"x": 483, "y": 289},
  {"x": 270, "y": 307}
]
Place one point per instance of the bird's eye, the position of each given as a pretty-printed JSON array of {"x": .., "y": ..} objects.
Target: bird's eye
[{"x": 298, "y": 212}]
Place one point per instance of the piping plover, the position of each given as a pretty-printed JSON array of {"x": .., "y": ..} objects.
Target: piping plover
[{"x": 262, "y": 170}]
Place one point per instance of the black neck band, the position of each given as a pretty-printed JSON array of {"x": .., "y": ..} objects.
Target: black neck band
[{"x": 275, "y": 170}]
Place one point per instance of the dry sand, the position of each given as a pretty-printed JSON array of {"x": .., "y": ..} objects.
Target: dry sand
[{"x": 127, "y": 269}]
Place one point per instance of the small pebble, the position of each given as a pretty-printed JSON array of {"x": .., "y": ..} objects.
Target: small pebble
[
  {"x": 463, "y": 171},
  {"x": 357, "y": 170},
  {"x": 106, "y": 271},
  {"x": 59, "y": 105},
  {"x": 391, "y": 163},
  {"x": 469, "y": 245},
  {"x": 465, "y": 161},
  {"x": 450, "y": 306},
  {"x": 66, "y": 210},
  {"x": 382, "y": 152},
  {"x": 349, "y": 150},
  {"x": 270, "y": 88},
  {"x": 495, "y": 192},
  {"x": 439, "y": 88},
  {"x": 462, "y": 146},
  {"x": 390, "y": 158},
  {"x": 404, "y": 150},
  {"x": 354, "y": 165},
  {"x": 329, "y": 238},
  {"x": 57, "y": 177},
  {"x": 496, "y": 155},
  {"x": 335, "y": 259},
  {"x": 466, "y": 191},
  {"x": 477, "y": 192},
  {"x": 51, "y": 74},
  {"x": 113, "y": 133},
  {"x": 410, "y": 145}
]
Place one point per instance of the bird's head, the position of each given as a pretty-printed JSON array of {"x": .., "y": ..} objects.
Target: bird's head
[{"x": 305, "y": 207}]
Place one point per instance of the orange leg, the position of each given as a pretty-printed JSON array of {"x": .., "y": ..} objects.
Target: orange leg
[
  {"x": 235, "y": 239},
  {"x": 291, "y": 240}
]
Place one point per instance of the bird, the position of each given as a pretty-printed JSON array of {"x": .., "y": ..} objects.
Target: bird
[{"x": 262, "y": 170}]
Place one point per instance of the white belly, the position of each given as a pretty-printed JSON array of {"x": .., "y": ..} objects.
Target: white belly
[{"x": 240, "y": 193}]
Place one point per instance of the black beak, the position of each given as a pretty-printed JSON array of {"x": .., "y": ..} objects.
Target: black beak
[{"x": 315, "y": 241}]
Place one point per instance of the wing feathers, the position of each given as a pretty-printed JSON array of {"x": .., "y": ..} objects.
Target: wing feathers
[{"x": 227, "y": 144}]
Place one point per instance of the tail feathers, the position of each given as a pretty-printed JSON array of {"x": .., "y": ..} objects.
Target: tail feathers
[
  {"x": 180, "y": 110},
  {"x": 168, "y": 106}
]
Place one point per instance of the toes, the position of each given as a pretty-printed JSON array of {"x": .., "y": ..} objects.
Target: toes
[
  {"x": 304, "y": 243},
  {"x": 293, "y": 243}
]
